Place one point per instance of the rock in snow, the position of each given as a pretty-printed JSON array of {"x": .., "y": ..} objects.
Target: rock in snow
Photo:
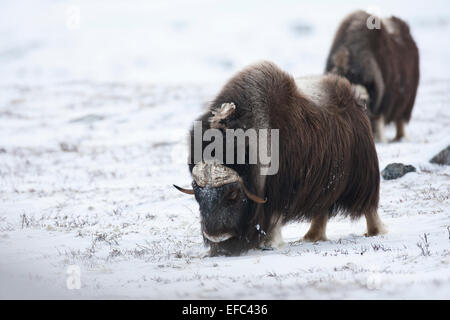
[
  {"x": 442, "y": 157},
  {"x": 396, "y": 170}
]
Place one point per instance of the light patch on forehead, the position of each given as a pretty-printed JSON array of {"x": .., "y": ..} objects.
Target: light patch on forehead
[
  {"x": 311, "y": 88},
  {"x": 389, "y": 25},
  {"x": 214, "y": 174}
]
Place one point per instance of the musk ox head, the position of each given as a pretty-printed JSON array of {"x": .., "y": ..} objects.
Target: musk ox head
[{"x": 224, "y": 204}]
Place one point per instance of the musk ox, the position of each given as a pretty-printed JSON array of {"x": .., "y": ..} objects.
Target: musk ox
[
  {"x": 379, "y": 57},
  {"x": 328, "y": 164}
]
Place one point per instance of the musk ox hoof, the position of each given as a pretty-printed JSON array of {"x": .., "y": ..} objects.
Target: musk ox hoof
[
  {"x": 400, "y": 139},
  {"x": 275, "y": 243},
  {"x": 272, "y": 246},
  {"x": 376, "y": 231},
  {"x": 314, "y": 238}
]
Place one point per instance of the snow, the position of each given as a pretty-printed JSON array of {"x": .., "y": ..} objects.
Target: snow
[{"x": 93, "y": 123}]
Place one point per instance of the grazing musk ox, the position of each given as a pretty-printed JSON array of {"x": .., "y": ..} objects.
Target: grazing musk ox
[
  {"x": 383, "y": 63},
  {"x": 328, "y": 164}
]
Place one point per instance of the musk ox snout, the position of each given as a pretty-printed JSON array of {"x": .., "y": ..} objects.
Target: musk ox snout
[
  {"x": 221, "y": 210},
  {"x": 223, "y": 201}
]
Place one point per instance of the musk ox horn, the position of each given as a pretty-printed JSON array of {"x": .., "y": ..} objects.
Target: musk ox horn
[
  {"x": 216, "y": 175},
  {"x": 252, "y": 196},
  {"x": 188, "y": 191},
  {"x": 220, "y": 114}
]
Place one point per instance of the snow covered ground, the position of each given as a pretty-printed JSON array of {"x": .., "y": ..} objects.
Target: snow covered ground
[{"x": 93, "y": 117}]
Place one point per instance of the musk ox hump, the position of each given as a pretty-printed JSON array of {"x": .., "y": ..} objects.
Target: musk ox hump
[
  {"x": 311, "y": 88},
  {"x": 213, "y": 174},
  {"x": 332, "y": 90}
]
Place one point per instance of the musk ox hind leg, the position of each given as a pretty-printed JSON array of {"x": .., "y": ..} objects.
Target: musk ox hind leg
[
  {"x": 374, "y": 224},
  {"x": 400, "y": 129},
  {"x": 317, "y": 230}
]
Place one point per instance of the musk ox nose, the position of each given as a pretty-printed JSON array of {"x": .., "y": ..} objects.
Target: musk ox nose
[
  {"x": 218, "y": 238},
  {"x": 215, "y": 230}
]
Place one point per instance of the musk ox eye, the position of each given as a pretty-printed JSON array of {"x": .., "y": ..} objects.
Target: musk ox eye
[{"x": 233, "y": 195}]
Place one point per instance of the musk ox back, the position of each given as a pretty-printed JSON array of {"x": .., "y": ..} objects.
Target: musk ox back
[
  {"x": 327, "y": 160},
  {"x": 383, "y": 63}
]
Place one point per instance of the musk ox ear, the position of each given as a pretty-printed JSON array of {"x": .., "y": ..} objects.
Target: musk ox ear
[
  {"x": 188, "y": 191},
  {"x": 220, "y": 114}
]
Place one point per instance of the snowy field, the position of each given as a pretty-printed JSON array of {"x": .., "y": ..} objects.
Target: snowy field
[{"x": 93, "y": 117}]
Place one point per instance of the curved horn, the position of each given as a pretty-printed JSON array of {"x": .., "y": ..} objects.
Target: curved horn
[
  {"x": 188, "y": 191},
  {"x": 252, "y": 196}
]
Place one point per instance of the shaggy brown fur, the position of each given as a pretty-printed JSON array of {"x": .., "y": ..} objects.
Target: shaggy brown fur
[
  {"x": 385, "y": 61},
  {"x": 328, "y": 162}
]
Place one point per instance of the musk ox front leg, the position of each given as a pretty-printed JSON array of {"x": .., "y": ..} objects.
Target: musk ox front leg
[
  {"x": 378, "y": 129},
  {"x": 275, "y": 238},
  {"x": 317, "y": 230},
  {"x": 374, "y": 224}
]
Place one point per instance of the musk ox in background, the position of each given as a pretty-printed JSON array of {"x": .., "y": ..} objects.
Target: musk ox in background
[
  {"x": 328, "y": 164},
  {"x": 383, "y": 63}
]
